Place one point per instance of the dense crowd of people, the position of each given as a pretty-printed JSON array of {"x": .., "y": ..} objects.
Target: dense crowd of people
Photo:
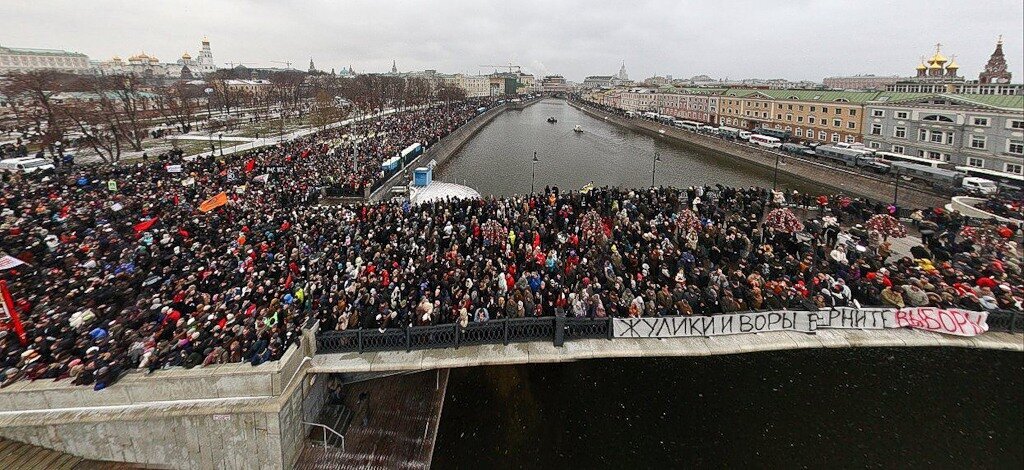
[
  {"x": 365, "y": 146},
  {"x": 126, "y": 269}
]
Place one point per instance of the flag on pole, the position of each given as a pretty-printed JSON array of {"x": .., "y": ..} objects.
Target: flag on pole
[
  {"x": 249, "y": 165},
  {"x": 214, "y": 202}
]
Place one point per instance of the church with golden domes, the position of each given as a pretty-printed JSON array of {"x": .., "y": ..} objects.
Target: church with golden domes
[
  {"x": 148, "y": 66},
  {"x": 941, "y": 74}
]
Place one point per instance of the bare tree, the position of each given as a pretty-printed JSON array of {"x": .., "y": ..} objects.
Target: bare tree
[
  {"x": 37, "y": 93},
  {"x": 180, "y": 103}
]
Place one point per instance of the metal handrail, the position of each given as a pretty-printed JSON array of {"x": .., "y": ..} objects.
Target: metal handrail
[
  {"x": 328, "y": 428},
  {"x": 555, "y": 329}
]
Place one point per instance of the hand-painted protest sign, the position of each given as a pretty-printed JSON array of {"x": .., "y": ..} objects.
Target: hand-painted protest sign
[{"x": 948, "y": 321}]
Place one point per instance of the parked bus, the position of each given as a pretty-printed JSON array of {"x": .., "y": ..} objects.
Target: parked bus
[
  {"x": 688, "y": 125},
  {"x": 936, "y": 177},
  {"x": 708, "y": 129},
  {"x": 778, "y": 134},
  {"x": 729, "y": 131},
  {"x": 898, "y": 157},
  {"x": 765, "y": 141}
]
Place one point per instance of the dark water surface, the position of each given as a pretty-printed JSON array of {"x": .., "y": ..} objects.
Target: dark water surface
[
  {"x": 827, "y": 408},
  {"x": 498, "y": 159},
  {"x": 892, "y": 408}
]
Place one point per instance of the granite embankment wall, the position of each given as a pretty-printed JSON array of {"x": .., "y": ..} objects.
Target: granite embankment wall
[
  {"x": 447, "y": 146},
  {"x": 224, "y": 416},
  {"x": 846, "y": 181}
]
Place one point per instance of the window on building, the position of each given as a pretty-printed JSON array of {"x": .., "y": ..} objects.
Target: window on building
[
  {"x": 789, "y": 117},
  {"x": 978, "y": 142},
  {"x": 976, "y": 162},
  {"x": 812, "y": 108},
  {"x": 949, "y": 138},
  {"x": 898, "y": 149},
  {"x": 1015, "y": 168},
  {"x": 936, "y": 137},
  {"x": 981, "y": 121},
  {"x": 1015, "y": 124},
  {"x": 853, "y": 112},
  {"x": 800, "y": 107},
  {"x": 902, "y": 115},
  {"x": 876, "y": 129},
  {"x": 835, "y": 137},
  {"x": 778, "y": 116},
  {"x": 851, "y": 125},
  {"x": 837, "y": 122},
  {"x": 922, "y": 135},
  {"x": 849, "y": 139},
  {"x": 900, "y": 132},
  {"x": 810, "y": 120},
  {"x": 822, "y": 135},
  {"x": 935, "y": 156},
  {"x": 876, "y": 145},
  {"x": 937, "y": 118},
  {"x": 799, "y": 132},
  {"x": 839, "y": 111},
  {"x": 877, "y": 113},
  {"x": 1015, "y": 147},
  {"x": 799, "y": 119},
  {"x": 921, "y": 153}
]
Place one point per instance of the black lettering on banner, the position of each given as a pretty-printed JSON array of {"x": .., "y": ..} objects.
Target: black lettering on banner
[
  {"x": 630, "y": 329},
  {"x": 726, "y": 325},
  {"x": 789, "y": 320},
  {"x": 759, "y": 322},
  {"x": 650, "y": 327},
  {"x": 746, "y": 326}
]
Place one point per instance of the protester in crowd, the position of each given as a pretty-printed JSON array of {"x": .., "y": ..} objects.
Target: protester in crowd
[{"x": 224, "y": 261}]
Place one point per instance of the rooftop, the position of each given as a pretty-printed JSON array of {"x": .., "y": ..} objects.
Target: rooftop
[{"x": 33, "y": 51}]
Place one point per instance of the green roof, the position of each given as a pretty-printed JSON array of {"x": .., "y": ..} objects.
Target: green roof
[
  {"x": 899, "y": 96},
  {"x": 1011, "y": 102},
  {"x": 26, "y": 50},
  {"x": 823, "y": 96}
]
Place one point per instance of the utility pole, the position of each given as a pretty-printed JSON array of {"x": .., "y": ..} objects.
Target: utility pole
[
  {"x": 533, "y": 178},
  {"x": 654, "y": 169}
]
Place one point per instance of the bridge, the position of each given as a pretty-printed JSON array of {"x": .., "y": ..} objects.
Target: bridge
[
  {"x": 241, "y": 416},
  {"x": 559, "y": 339}
]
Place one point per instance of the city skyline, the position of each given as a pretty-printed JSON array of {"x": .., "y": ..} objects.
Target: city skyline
[{"x": 437, "y": 36}]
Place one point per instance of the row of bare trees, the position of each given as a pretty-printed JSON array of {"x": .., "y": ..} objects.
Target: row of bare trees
[{"x": 113, "y": 115}]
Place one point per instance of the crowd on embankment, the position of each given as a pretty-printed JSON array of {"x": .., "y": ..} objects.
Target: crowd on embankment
[{"x": 179, "y": 262}]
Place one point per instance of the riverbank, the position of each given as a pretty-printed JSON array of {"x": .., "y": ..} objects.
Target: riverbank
[
  {"x": 835, "y": 179},
  {"x": 446, "y": 147}
]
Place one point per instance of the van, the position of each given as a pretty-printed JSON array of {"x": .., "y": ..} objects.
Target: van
[
  {"x": 25, "y": 165},
  {"x": 745, "y": 135},
  {"x": 977, "y": 185}
]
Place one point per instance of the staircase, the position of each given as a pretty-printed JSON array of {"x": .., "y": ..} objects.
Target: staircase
[{"x": 335, "y": 416}]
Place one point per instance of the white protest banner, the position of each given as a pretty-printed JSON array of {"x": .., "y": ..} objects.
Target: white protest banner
[
  {"x": 174, "y": 168},
  {"x": 854, "y": 318},
  {"x": 951, "y": 321},
  {"x": 8, "y": 262},
  {"x": 947, "y": 321},
  {"x": 674, "y": 327},
  {"x": 262, "y": 178}
]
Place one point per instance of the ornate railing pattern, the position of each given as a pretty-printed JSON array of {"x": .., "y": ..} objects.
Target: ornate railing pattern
[{"x": 519, "y": 330}]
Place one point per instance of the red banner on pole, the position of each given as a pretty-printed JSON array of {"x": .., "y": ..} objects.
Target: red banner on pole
[{"x": 9, "y": 315}]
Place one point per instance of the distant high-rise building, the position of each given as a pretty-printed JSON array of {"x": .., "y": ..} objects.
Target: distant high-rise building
[
  {"x": 622, "y": 73},
  {"x": 394, "y": 66},
  {"x": 312, "y": 68},
  {"x": 15, "y": 59}
]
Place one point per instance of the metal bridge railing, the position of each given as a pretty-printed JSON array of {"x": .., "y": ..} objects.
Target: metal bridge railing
[{"x": 557, "y": 330}]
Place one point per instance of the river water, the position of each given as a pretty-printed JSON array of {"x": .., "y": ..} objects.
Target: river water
[{"x": 906, "y": 408}]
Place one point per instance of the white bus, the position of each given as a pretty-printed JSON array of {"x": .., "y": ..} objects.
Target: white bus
[
  {"x": 688, "y": 125},
  {"x": 765, "y": 141},
  {"x": 729, "y": 131},
  {"x": 708, "y": 129}
]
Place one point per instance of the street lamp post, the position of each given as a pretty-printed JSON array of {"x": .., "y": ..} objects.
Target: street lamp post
[
  {"x": 775, "y": 176},
  {"x": 220, "y": 138},
  {"x": 654, "y": 168},
  {"x": 533, "y": 179},
  {"x": 209, "y": 112},
  {"x": 896, "y": 190}
]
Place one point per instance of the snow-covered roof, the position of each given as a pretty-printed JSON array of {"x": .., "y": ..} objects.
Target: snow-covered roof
[{"x": 438, "y": 190}]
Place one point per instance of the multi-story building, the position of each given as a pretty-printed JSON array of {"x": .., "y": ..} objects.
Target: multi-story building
[
  {"x": 861, "y": 82},
  {"x": 18, "y": 59},
  {"x": 598, "y": 81},
  {"x": 814, "y": 115},
  {"x": 554, "y": 84},
  {"x": 979, "y": 134}
]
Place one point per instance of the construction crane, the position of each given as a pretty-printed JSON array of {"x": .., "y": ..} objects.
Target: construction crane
[
  {"x": 287, "y": 65},
  {"x": 233, "y": 64},
  {"x": 517, "y": 68}
]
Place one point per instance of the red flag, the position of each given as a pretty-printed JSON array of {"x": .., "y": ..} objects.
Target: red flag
[
  {"x": 145, "y": 224},
  {"x": 288, "y": 282},
  {"x": 249, "y": 165},
  {"x": 9, "y": 315}
]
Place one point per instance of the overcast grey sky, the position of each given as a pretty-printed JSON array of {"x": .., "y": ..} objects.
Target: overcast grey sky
[{"x": 795, "y": 39}]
